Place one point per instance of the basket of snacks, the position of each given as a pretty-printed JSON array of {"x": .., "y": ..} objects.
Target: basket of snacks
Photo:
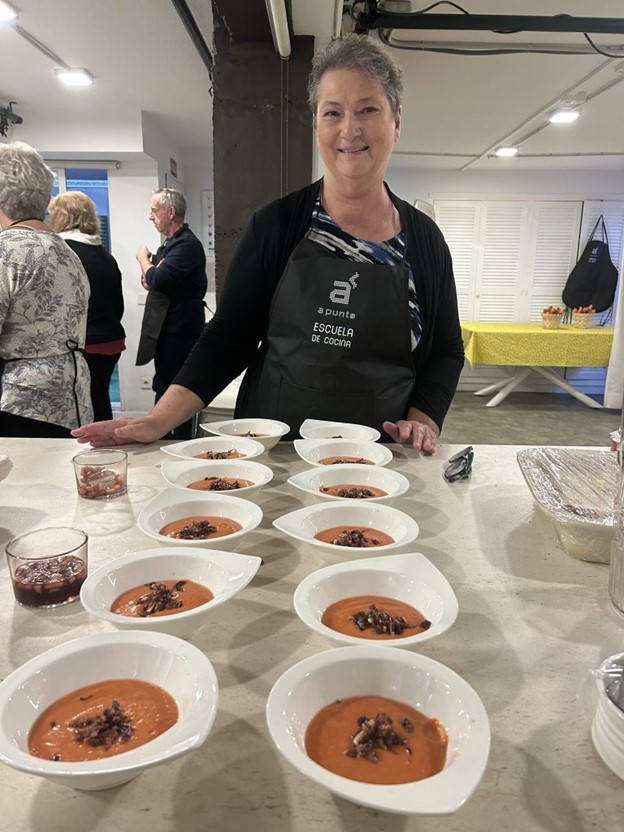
[
  {"x": 583, "y": 316},
  {"x": 552, "y": 317}
]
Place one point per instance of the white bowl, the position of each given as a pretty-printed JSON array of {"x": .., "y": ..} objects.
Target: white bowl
[
  {"x": 402, "y": 675},
  {"x": 320, "y": 429},
  {"x": 189, "y": 449},
  {"x": 313, "y": 450},
  {"x": 409, "y": 578},
  {"x": 174, "y": 504},
  {"x": 180, "y": 474},
  {"x": 310, "y": 481},
  {"x": 224, "y": 573},
  {"x": 304, "y": 523},
  {"x": 269, "y": 431},
  {"x": 174, "y": 665}
]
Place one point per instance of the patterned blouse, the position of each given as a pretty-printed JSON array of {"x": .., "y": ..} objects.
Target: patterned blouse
[
  {"x": 329, "y": 234},
  {"x": 44, "y": 293}
]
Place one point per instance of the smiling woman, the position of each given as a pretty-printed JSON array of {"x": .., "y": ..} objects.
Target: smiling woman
[{"x": 346, "y": 247}]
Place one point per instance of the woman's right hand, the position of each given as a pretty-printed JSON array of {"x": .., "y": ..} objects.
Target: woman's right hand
[{"x": 120, "y": 432}]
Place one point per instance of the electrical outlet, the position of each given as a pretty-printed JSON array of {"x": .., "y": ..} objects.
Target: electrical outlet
[{"x": 146, "y": 383}]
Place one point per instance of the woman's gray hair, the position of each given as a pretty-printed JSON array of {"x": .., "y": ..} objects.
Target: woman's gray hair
[
  {"x": 25, "y": 182},
  {"x": 358, "y": 52},
  {"x": 170, "y": 198}
]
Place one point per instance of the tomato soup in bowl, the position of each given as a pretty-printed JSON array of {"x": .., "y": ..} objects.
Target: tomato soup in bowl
[
  {"x": 349, "y": 526},
  {"x": 221, "y": 573},
  {"x": 196, "y": 518},
  {"x": 184, "y": 707},
  {"x": 335, "y": 601},
  {"x": 450, "y": 716}
]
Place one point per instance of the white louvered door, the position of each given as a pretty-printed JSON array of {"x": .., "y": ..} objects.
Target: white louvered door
[
  {"x": 502, "y": 261},
  {"x": 460, "y": 223},
  {"x": 552, "y": 251}
]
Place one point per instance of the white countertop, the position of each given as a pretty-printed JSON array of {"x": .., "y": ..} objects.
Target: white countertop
[{"x": 532, "y": 622}]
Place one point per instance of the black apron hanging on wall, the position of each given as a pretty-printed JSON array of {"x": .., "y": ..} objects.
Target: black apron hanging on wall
[
  {"x": 593, "y": 280},
  {"x": 337, "y": 347}
]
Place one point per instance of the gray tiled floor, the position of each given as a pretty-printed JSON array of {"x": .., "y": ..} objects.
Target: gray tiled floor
[{"x": 528, "y": 419}]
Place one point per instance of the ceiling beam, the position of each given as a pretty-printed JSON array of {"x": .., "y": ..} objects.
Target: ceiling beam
[{"x": 194, "y": 32}]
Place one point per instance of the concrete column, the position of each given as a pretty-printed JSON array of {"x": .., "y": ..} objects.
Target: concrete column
[{"x": 262, "y": 126}]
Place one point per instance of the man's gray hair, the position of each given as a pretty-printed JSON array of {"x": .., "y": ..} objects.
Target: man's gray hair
[
  {"x": 361, "y": 53},
  {"x": 170, "y": 198},
  {"x": 25, "y": 182}
]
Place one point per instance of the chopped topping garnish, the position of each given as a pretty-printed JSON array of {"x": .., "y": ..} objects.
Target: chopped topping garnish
[
  {"x": 374, "y": 735},
  {"x": 218, "y": 454},
  {"x": 355, "y": 538},
  {"x": 219, "y": 484},
  {"x": 337, "y": 436},
  {"x": 160, "y": 598},
  {"x": 361, "y": 460},
  {"x": 250, "y": 433},
  {"x": 84, "y": 698},
  {"x": 407, "y": 724},
  {"x": 196, "y": 530},
  {"x": 383, "y": 623},
  {"x": 56, "y": 757},
  {"x": 356, "y": 493},
  {"x": 106, "y": 729}
]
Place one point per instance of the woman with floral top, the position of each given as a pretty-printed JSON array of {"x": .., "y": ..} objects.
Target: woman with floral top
[{"x": 44, "y": 294}]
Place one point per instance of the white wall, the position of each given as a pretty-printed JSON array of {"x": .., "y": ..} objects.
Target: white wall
[
  {"x": 411, "y": 184},
  {"x": 79, "y": 132},
  {"x": 198, "y": 172}
]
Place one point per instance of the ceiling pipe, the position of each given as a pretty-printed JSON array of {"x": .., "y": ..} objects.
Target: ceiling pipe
[
  {"x": 373, "y": 18},
  {"x": 194, "y": 32},
  {"x": 278, "y": 20}
]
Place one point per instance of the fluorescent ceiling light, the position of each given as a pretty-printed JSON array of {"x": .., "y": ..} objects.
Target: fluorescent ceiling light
[
  {"x": 7, "y": 12},
  {"x": 278, "y": 20},
  {"x": 564, "y": 116},
  {"x": 74, "y": 76},
  {"x": 507, "y": 151}
]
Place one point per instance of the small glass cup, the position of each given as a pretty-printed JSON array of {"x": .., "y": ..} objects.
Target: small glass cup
[
  {"x": 101, "y": 475},
  {"x": 48, "y": 566}
]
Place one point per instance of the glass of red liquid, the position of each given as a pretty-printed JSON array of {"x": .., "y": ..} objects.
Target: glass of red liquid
[{"x": 48, "y": 566}]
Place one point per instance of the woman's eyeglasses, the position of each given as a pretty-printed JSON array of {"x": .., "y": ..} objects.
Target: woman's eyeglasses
[{"x": 459, "y": 465}]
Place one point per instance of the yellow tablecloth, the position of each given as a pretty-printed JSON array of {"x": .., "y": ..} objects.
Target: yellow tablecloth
[{"x": 530, "y": 345}]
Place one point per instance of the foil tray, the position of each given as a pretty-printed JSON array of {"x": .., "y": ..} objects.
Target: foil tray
[{"x": 576, "y": 489}]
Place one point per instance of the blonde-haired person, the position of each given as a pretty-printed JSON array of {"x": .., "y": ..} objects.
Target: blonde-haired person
[
  {"x": 44, "y": 291},
  {"x": 340, "y": 298},
  {"x": 74, "y": 217}
]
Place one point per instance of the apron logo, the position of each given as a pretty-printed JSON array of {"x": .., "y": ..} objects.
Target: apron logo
[{"x": 341, "y": 292}]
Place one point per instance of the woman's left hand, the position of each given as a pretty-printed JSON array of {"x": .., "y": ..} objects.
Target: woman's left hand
[{"x": 419, "y": 435}]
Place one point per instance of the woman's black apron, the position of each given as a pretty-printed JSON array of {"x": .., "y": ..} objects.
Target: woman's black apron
[{"x": 337, "y": 346}]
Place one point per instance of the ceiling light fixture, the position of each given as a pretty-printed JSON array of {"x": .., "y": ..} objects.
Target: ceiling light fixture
[
  {"x": 564, "y": 116},
  {"x": 278, "y": 20},
  {"x": 73, "y": 76},
  {"x": 507, "y": 151},
  {"x": 7, "y": 12}
]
